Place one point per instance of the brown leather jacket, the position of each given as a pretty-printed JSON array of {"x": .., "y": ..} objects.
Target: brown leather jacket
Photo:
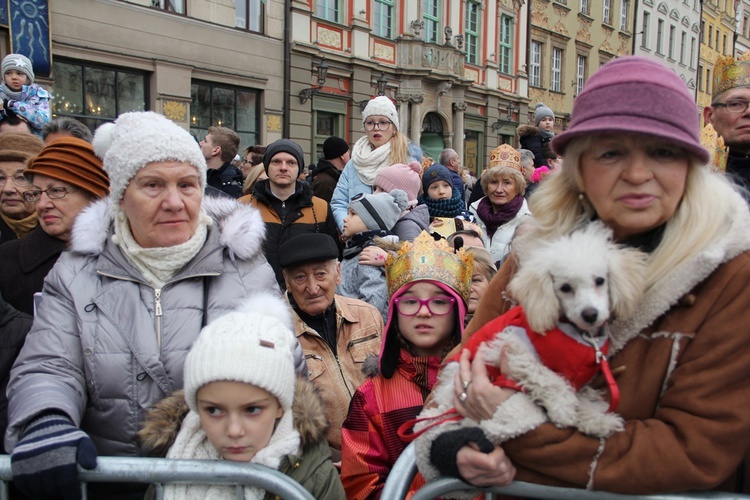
[{"x": 359, "y": 333}]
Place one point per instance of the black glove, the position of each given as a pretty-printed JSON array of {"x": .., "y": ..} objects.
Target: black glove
[
  {"x": 45, "y": 460},
  {"x": 444, "y": 451}
]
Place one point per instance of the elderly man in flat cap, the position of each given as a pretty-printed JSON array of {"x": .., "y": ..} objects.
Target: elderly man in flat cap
[
  {"x": 336, "y": 333},
  {"x": 730, "y": 116}
]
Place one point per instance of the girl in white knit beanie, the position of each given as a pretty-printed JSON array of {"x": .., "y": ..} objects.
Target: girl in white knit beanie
[{"x": 245, "y": 404}]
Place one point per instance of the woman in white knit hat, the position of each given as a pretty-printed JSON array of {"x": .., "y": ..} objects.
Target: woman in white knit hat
[
  {"x": 147, "y": 268},
  {"x": 382, "y": 146},
  {"x": 242, "y": 403}
]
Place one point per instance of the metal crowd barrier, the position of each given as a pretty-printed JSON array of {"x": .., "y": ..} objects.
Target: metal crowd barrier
[
  {"x": 405, "y": 468},
  {"x": 160, "y": 471}
]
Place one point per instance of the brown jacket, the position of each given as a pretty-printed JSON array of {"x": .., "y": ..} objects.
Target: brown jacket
[
  {"x": 359, "y": 333},
  {"x": 682, "y": 364}
]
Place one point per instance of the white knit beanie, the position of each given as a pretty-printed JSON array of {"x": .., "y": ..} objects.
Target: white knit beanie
[
  {"x": 136, "y": 139},
  {"x": 381, "y": 106},
  {"x": 20, "y": 63},
  {"x": 254, "y": 344}
]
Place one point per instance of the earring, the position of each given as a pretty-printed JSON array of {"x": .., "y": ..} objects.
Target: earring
[{"x": 580, "y": 197}]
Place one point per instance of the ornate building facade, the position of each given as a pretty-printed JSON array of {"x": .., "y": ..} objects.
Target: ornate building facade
[{"x": 718, "y": 24}]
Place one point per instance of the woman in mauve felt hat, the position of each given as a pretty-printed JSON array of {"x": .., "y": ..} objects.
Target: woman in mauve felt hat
[{"x": 633, "y": 161}]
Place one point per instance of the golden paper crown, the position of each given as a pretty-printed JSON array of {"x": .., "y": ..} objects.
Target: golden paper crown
[
  {"x": 505, "y": 156},
  {"x": 427, "y": 259},
  {"x": 730, "y": 73}
]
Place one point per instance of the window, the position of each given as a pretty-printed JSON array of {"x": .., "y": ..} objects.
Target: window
[
  {"x": 660, "y": 36},
  {"x": 431, "y": 17},
  {"x": 328, "y": 10},
  {"x": 535, "y": 76},
  {"x": 506, "y": 44},
  {"x": 607, "y": 14},
  {"x": 710, "y": 35},
  {"x": 624, "y": 7},
  {"x": 580, "y": 73},
  {"x": 471, "y": 32},
  {"x": 556, "y": 76},
  {"x": 176, "y": 6},
  {"x": 249, "y": 14},
  {"x": 683, "y": 42},
  {"x": 724, "y": 45},
  {"x": 708, "y": 81},
  {"x": 584, "y": 6},
  {"x": 703, "y": 30},
  {"x": 700, "y": 77},
  {"x": 644, "y": 29},
  {"x": 671, "y": 42},
  {"x": 329, "y": 118},
  {"x": 96, "y": 94},
  {"x": 692, "y": 52},
  {"x": 745, "y": 23},
  {"x": 226, "y": 106},
  {"x": 384, "y": 18},
  {"x": 716, "y": 46}
]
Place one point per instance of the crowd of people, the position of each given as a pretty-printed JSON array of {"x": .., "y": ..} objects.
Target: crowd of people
[{"x": 164, "y": 296}]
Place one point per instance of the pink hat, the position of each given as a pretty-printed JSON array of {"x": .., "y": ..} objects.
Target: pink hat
[
  {"x": 400, "y": 176},
  {"x": 639, "y": 95}
]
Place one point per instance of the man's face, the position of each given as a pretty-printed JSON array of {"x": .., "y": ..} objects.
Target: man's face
[
  {"x": 208, "y": 148},
  {"x": 454, "y": 164},
  {"x": 733, "y": 127},
  {"x": 313, "y": 285},
  {"x": 283, "y": 170}
]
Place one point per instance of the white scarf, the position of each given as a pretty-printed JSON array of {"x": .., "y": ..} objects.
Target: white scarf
[
  {"x": 158, "y": 265},
  {"x": 192, "y": 443},
  {"x": 367, "y": 161}
]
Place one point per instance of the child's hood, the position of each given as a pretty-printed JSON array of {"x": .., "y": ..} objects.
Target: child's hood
[{"x": 162, "y": 423}]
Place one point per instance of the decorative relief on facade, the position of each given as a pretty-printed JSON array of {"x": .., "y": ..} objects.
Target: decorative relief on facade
[
  {"x": 584, "y": 31},
  {"x": 556, "y": 101},
  {"x": 537, "y": 95},
  {"x": 559, "y": 11},
  {"x": 505, "y": 84},
  {"x": 560, "y": 28},
  {"x": 471, "y": 74},
  {"x": 273, "y": 123},
  {"x": 624, "y": 48},
  {"x": 606, "y": 47},
  {"x": 329, "y": 37},
  {"x": 539, "y": 15},
  {"x": 175, "y": 111},
  {"x": 459, "y": 106},
  {"x": 384, "y": 52},
  {"x": 416, "y": 98}
]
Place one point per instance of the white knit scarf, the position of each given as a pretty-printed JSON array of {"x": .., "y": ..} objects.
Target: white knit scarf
[
  {"x": 367, "y": 161},
  {"x": 192, "y": 443},
  {"x": 158, "y": 265}
]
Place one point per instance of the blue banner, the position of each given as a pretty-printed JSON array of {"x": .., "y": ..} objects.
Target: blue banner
[
  {"x": 4, "y": 13},
  {"x": 30, "y": 34}
]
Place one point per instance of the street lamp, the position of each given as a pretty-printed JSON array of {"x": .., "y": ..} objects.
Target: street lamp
[
  {"x": 307, "y": 93},
  {"x": 508, "y": 118},
  {"x": 382, "y": 83}
]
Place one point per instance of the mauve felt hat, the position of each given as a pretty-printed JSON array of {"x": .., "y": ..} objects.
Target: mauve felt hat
[{"x": 639, "y": 95}]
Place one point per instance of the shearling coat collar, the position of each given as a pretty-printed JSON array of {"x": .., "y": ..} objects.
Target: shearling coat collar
[{"x": 240, "y": 227}]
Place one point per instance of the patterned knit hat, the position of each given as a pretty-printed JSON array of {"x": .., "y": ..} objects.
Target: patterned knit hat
[
  {"x": 435, "y": 173},
  {"x": 381, "y": 106},
  {"x": 380, "y": 211},
  {"x": 254, "y": 345},
  {"x": 136, "y": 139},
  {"x": 400, "y": 176},
  {"x": 72, "y": 160},
  {"x": 20, "y": 63},
  {"x": 542, "y": 111}
]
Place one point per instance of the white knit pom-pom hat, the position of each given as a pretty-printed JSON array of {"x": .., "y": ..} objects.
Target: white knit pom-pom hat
[
  {"x": 254, "y": 344},
  {"x": 381, "y": 106},
  {"x": 136, "y": 139}
]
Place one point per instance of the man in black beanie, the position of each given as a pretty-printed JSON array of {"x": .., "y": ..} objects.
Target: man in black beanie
[
  {"x": 335, "y": 157},
  {"x": 287, "y": 205}
]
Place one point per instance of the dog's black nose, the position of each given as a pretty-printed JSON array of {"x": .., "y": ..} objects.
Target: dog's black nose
[{"x": 589, "y": 315}]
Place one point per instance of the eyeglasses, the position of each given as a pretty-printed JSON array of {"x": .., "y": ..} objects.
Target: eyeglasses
[
  {"x": 18, "y": 179},
  {"x": 438, "y": 306},
  {"x": 382, "y": 125},
  {"x": 53, "y": 193},
  {"x": 733, "y": 105}
]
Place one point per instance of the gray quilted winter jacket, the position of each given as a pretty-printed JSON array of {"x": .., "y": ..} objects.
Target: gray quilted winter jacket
[{"x": 99, "y": 351}]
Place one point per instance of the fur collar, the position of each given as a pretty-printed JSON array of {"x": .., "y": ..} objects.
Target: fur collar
[
  {"x": 524, "y": 130},
  {"x": 163, "y": 421},
  {"x": 241, "y": 227},
  {"x": 684, "y": 277}
]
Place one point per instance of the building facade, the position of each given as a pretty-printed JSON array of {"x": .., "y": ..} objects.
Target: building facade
[
  {"x": 742, "y": 26},
  {"x": 718, "y": 24},
  {"x": 670, "y": 31}
]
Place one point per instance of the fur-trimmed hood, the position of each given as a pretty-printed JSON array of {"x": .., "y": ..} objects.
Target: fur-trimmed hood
[
  {"x": 240, "y": 226},
  {"x": 162, "y": 423},
  {"x": 527, "y": 130}
]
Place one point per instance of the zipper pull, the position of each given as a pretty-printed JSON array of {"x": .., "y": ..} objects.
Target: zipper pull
[{"x": 157, "y": 298}]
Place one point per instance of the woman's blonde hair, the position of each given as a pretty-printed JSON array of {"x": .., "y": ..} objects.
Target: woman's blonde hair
[
  {"x": 503, "y": 172},
  {"x": 703, "y": 215},
  {"x": 399, "y": 148},
  {"x": 252, "y": 178}
]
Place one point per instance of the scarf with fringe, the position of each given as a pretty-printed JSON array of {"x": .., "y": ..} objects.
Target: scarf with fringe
[{"x": 367, "y": 161}]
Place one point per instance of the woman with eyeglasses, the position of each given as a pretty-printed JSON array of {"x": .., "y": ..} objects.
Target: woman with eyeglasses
[
  {"x": 62, "y": 180},
  {"x": 17, "y": 216},
  {"x": 382, "y": 146}
]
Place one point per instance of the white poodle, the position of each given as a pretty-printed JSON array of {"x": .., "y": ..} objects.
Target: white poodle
[{"x": 552, "y": 345}]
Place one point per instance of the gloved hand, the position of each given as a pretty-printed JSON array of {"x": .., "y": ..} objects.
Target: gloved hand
[
  {"x": 445, "y": 448},
  {"x": 45, "y": 460}
]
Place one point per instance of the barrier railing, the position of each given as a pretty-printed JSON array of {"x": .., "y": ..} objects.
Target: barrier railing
[
  {"x": 160, "y": 471},
  {"x": 405, "y": 468}
]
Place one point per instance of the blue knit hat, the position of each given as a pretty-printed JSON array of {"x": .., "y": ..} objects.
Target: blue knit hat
[
  {"x": 542, "y": 111},
  {"x": 436, "y": 173}
]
